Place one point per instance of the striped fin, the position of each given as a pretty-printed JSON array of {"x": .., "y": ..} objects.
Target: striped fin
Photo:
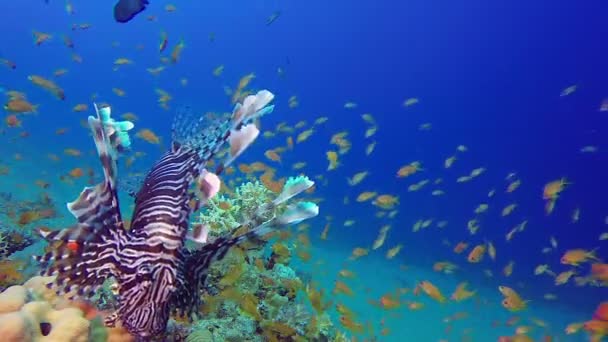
[
  {"x": 207, "y": 134},
  {"x": 84, "y": 255},
  {"x": 80, "y": 260},
  {"x": 98, "y": 205}
]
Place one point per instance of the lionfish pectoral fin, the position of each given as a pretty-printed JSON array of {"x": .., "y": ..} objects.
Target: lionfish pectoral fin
[
  {"x": 244, "y": 130},
  {"x": 84, "y": 255},
  {"x": 98, "y": 206},
  {"x": 78, "y": 259}
]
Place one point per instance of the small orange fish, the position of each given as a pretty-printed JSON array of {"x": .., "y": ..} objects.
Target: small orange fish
[
  {"x": 358, "y": 252},
  {"x": 386, "y": 201},
  {"x": 575, "y": 257},
  {"x": 432, "y": 291},
  {"x": 346, "y": 274},
  {"x": 351, "y": 325},
  {"x": 513, "y": 303},
  {"x": 148, "y": 136},
  {"x": 477, "y": 253},
  {"x": 41, "y": 37},
  {"x": 341, "y": 287},
  {"x": 72, "y": 152},
  {"x": 119, "y": 92},
  {"x": 461, "y": 293},
  {"x": 12, "y": 121},
  {"x": 325, "y": 232},
  {"x": 272, "y": 155},
  {"x": 76, "y": 173},
  {"x": 552, "y": 189},
  {"x": 460, "y": 247},
  {"x": 177, "y": 52},
  {"x": 20, "y": 106},
  {"x": 60, "y": 72},
  {"x": 388, "y": 302},
  {"x": 81, "y": 107},
  {"x": 408, "y": 170}
]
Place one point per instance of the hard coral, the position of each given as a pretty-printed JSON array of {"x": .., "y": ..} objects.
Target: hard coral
[
  {"x": 32, "y": 312},
  {"x": 38, "y": 321}
]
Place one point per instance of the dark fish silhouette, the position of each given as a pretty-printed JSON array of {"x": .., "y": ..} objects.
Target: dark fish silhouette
[{"x": 125, "y": 10}]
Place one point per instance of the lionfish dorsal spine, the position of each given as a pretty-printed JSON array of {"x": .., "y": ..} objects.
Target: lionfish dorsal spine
[{"x": 87, "y": 253}]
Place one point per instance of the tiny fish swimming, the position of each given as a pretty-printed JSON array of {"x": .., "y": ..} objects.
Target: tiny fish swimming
[{"x": 155, "y": 274}]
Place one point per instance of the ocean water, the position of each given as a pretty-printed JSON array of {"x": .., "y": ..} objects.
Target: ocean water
[{"x": 491, "y": 76}]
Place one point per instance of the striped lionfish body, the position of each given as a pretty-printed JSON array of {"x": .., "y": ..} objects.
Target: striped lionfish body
[{"x": 155, "y": 274}]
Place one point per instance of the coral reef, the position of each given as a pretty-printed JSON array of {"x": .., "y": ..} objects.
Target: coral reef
[
  {"x": 32, "y": 312},
  {"x": 253, "y": 295},
  {"x": 223, "y": 213}
]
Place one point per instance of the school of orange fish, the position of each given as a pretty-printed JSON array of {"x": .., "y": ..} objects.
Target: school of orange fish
[{"x": 581, "y": 267}]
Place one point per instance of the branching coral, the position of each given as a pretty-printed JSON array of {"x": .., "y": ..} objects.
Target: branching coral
[{"x": 223, "y": 213}]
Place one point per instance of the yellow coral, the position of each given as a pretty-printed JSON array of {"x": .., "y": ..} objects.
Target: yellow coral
[
  {"x": 33, "y": 312},
  {"x": 66, "y": 325}
]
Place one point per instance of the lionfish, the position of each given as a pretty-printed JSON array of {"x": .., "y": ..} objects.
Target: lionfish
[{"x": 155, "y": 274}]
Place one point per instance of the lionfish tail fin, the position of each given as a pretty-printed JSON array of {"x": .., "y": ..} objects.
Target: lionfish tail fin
[
  {"x": 197, "y": 263},
  {"x": 86, "y": 254}
]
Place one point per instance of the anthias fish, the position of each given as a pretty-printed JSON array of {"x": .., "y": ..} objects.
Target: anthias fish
[{"x": 155, "y": 274}]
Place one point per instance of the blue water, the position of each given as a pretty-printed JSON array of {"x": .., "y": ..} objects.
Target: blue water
[{"x": 488, "y": 75}]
